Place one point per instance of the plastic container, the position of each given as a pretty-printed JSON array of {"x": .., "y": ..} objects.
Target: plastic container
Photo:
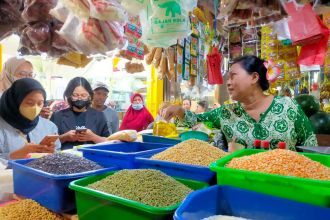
[
  {"x": 232, "y": 201},
  {"x": 311, "y": 191},
  {"x": 92, "y": 204},
  {"x": 161, "y": 140},
  {"x": 194, "y": 135},
  {"x": 50, "y": 190},
  {"x": 121, "y": 154},
  {"x": 186, "y": 171}
]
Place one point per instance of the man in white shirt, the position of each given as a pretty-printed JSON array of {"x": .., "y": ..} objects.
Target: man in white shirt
[{"x": 101, "y": 92}]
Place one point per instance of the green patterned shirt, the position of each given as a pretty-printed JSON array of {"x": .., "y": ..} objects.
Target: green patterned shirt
[{"x": 282, "y": 121}]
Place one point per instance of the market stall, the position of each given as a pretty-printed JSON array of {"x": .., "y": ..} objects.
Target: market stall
[{"x": 226, "y": 163}]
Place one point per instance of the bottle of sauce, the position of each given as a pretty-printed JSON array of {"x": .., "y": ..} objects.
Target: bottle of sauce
[
  {"x": 281, "y": 145},
  {"x": 257, "y": 144},
  {"x": 265, "y": 145}
]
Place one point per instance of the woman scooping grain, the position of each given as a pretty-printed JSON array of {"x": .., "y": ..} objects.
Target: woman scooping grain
[{"x": 255, "y": 116}]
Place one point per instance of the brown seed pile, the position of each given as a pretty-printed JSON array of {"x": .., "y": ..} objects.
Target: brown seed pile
[
  {"x": 146, "y": 186},
  {"x": 194, "y": 152},
  {"x": 27, "y": 209},
  {"x": 282, "y": 162}
]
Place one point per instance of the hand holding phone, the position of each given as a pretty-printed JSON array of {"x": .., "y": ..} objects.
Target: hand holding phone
[
  {"x": 81, "y": 130},
  {"x": 49, "y": 139}
]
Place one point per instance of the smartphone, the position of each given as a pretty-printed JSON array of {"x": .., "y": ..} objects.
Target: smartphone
[
  {"x": 49, "y": 139},
  {"x": 81, "y": 130}
]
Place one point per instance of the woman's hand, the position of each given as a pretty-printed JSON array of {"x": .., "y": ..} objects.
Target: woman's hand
[
  {"x": 172, "y": 111},
  {"x": 69, "y": 136},
  {"x": 87, "y": 135},
  {"x": 32, "y": 148}
]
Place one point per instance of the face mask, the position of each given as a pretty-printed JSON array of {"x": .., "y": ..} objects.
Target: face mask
[
  {"x": 137, "y": 106},
  {"x": 80, "y": 104},
  {"x": 30, "y": 112}
]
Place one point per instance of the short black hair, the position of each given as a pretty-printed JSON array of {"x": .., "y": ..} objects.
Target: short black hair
[
  {"x": 203, "y": 104},
  {"x": 74, "y": 83},
  {"x": 253, "y": 64}
]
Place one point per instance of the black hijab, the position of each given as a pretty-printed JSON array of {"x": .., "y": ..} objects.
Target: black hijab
[{"x": 12, "y": 99}]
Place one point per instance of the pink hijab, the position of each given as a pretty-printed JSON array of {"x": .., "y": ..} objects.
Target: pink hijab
[{"x": 8, "y": 71}]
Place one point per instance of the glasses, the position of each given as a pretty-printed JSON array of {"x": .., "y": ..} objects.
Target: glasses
[
  {"x": 82, "y": 96},
  {"x": 25, "y": 74}
]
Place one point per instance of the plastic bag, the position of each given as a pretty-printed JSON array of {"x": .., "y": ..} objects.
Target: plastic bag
[
  {"x": 165, "y": 21},
  {"x": 107, "y": 10},
  {"x": 36, "y": 37},
  {"x": 57, "y": 41},
  {"x": 37, "y": 10},
  {"x": 214, "y": 67},
  {"x": 134, "y": 7},
  {"x": 315, "y": 53},
  {"x": 79, "y": 8},
  {"x": 10, "y": 15},
  {"x": 114, "y": 34},
  {"x": 92, "y": 36},
  {"x": 303, "y": 24},
  {"x": 59, "y": 12},
  {"x": 125, "y": 135},
  {"x": 281, "y": 28},
  {"x": 164, "y": 129}
]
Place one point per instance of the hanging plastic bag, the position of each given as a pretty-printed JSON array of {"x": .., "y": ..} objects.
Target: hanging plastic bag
[
  {"x": 37, "y": 10},
  {"x": 281, "y": 28},
  {"x": 134, "y": 7},
  {"x": 315, "y": 53},
  {"x": 214, "y": 67},
  {"x": 165, "y": 21},
  {"x": 114, "y": 35},
  {"x": 72, "y": 32},
  {"x": 79, "y": 8},
  {"x": 303, "y": 24},
  {"x": 107, "y": 10},
  {"x": 59, "y": 12}
]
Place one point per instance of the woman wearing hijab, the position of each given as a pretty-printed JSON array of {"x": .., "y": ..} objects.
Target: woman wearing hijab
[
  {"x": 14, "y": 69},
  {"x": 80, "y": 124},
  {"x": 21, "y": 128},
  {"x": 137, "y": 116},
  {"x": 18, "y": 68}
]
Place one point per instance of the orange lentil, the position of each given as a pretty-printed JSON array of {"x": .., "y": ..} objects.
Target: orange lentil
[{"x": 282, "y": 162}]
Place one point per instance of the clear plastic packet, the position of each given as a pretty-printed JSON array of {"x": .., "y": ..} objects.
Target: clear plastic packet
[
  {"x": 37, "y": 10},
  {"x": 107, "y": 10}
]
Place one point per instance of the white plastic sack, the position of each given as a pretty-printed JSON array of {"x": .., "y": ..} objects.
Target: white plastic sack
[
  {"x": 165, "y": 21},
  {"x": 80, "y": 8},
  {"x": 107, "y": 10},
  {"x": 134, "y": 7},
  {"x": 59, "y": 12},
  {"x": 281, "y": 28}
]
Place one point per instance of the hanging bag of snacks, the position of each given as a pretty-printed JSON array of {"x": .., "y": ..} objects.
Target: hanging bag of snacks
[
  {"x": 214, "y": 67},
  {"x": 304, "y": 24}
]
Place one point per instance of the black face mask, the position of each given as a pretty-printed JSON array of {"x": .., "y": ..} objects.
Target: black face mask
[{"x": 80, "y": 104}]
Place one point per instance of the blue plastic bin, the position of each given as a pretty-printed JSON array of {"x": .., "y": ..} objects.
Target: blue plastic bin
[
  {"x": 228, "y": 200},
  {"x": 157, "y": 139},
  {"x": 122, "y": 154},
  {"x": 50, "y": 190},
  {"x": 186, "y": 171}
]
